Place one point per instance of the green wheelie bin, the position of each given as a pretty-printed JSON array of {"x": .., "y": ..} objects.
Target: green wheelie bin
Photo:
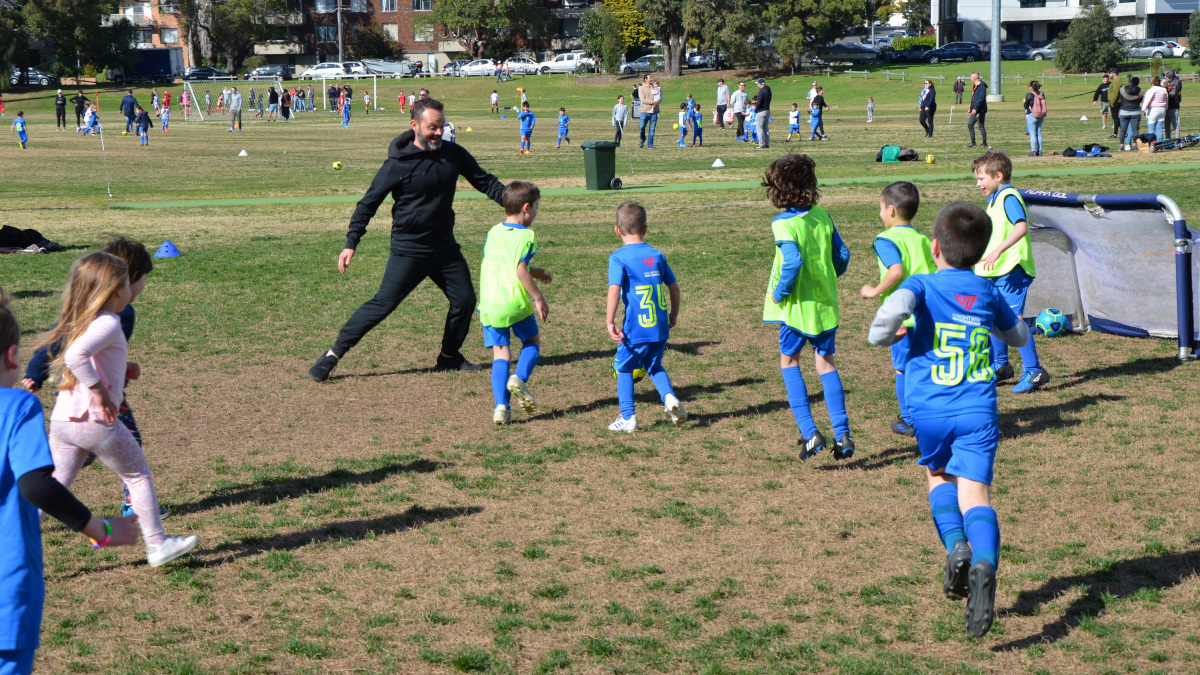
[{"x": 600, "y": 165}]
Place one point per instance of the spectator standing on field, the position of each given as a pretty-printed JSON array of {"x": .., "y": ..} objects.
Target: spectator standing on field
[
  {"x": 129, "y": 106},
  {"x": 272, "y": 104},
  {"x": 1100, "y": 97},
  {"x": 927, "y": 105},
  {"x": 1114, "y": 103},
  {"x": 1174, "y": 88},
  {"x": 812, "y": 93},
  {"x": 60, "y": 110},
  {"x": 285, "y": 105},
  {"x": 978, "y": 112},
  {"x": 722, "y": 102},
  {"x": 738, "y": 101},
  {"x": 959, "y": 88},
  {"x": 817, "y": 103},
  {"x": 81, "y": 103},
  {"x": 649, "y": 119},
  {"x": 1155, "y": 106},
  {"x": 1130, "y": 115},
  {"x": 1035, "y": 114},
  {"x": 620, "y": 117},
  {"x": 235, "y": 111},
  {"x": 763, "y": 114}
]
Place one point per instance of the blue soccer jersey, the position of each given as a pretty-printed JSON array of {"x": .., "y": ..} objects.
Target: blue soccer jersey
[
  {"x": 527, "y": 122},
  {"x": 563, "y": 121},
  {"x": 950, "y": 360},
  {"x": 643, "y": 274}
]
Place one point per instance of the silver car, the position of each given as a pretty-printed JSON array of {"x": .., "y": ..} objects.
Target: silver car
[
  {"x": 1043, "y": 53},
  {"x": 520, "y": 65},
  {"x": 647, "y": 64},
  {"x": 1150, "y": 49}
]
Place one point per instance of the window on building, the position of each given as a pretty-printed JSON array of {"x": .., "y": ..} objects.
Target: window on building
[
  {"x": 168, "y": 8},
  {"x": 1028, "y": 4},
  {"x": 422, "y": 33},
  {"x": 570, "y": 28},
  {"x": 326, "y": 33},
  {"x": 326, "y": 6},
  {"x": 169, "y": 36},
  {"x": 1019, "y": 32},
  {"x": 357, "y": 5},
  {"x": 143, "y": 37},
  {"x": 422, "y": 5},
  {"x": 388, "y": 6},
  {"x": 392, "y": 30},
  {"x": 1167, "y": 26}
]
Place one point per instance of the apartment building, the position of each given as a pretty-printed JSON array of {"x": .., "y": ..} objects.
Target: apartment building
[
  {"x": 156, "y": 24},
  {"x": 1039, "y": 21}
]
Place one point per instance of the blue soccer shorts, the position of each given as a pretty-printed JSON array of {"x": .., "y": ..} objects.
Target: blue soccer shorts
[
  {"x": 647, "y": 356},
  {"x": 498, "y": 336},
  {"x": 791, "y": 341},
  {"x": 16, "y": 661},
  {"x": 961, "y": 445},
  {"x": 1013, "y": 287},
  {"x": 794, "y": 129},
  {"x": 900, "y": 354}
]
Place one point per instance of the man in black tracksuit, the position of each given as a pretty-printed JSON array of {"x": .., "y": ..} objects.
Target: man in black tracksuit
[
  {"x": 978, "y": 112},
  {"x": 420, "y": 174},
  {"x": 129, "y": 107}
]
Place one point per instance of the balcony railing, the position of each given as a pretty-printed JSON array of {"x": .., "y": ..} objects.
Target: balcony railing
[
  {"x": 289, "y": 19},
  {"x": 135, "y": 19}
]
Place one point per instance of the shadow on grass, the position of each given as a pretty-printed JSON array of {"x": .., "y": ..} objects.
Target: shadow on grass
[
  {"x": 1144, "y": 366},
  {"x": 876, "y": 461},
  {"x": 34, "y": 294},
  {"x": 647, "y": 396},
  {"x": 269, "y": 491},
  {"x": 690, "y": 348},
  {"x": 414, "y": 518},
  {"x": 1036, "y": 419},
  {"x": 1105, "y": 583}
]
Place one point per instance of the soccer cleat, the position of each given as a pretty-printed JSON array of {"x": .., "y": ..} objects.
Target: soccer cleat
[
  {"x": 627, "y": 425},
  {"x": 958, "y": 561},
  {"x": 1032, "y": 380},
  {"x": 324, "y": 365},
  {"x": 843, "y": 448},
  {"x": 520, "y": 391},
  {"x": 675, "y": 409},
  {"x": 1002, "y": 372},
  {"x": 501, "y": 415},
  {"x": 170, "y": 549},
  {"x": 127, "y": 510},
  {"x": 981, "y": 601},
  {"x": 902, "y": 428},
  {"x": 460, "y": 364},
  {"x": 811, "y": 446}
]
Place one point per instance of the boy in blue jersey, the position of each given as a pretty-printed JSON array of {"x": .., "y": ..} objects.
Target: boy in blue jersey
[
  {"x": 697, "y": 121},
  {"x": 793, "y": 123},
  {"x": 902, "y": 252},
  {"x": 682, "y": 124},
  {"x": 142, "y": 122},
  {"x": 639, "y": 276},
  {"x": 564, "y": 127},
  {"x": 690, "y": 102},
  {"x": 18, "y": 126},
  {"x": 346, "y": 112},
  {"x": 1008, "y": 262},
  {"x": 952, "y": 399},
  {"x": 802, "y": 297},
  {"x": 528, "y": 121}
]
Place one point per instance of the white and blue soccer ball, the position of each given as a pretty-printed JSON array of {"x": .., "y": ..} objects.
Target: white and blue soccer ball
[{"x": 1051, "y": 322}]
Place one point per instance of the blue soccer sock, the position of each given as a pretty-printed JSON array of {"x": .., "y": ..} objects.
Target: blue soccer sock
[
  {"x": 1029, "y": 355},
  {"x": 500, "y": 381},
  {"x": 947, "y": 518},
  {"x": 983, "y": 532},
  {"x": 835, "y": 401},
  {"x": 625, "y": 394},
  {"x": 662, "y": 382},
  {"x": 904, "y": 413},
  {"x": 797, "y": 394},
  {"x": 999, "y": 352},
  {"x": 531, "y": 353}
]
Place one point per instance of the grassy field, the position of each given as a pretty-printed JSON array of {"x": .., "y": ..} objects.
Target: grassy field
[{"x": 379, "y": 523}]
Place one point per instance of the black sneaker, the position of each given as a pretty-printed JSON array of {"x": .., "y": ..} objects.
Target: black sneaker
[
  {"x": 321, "y": 369},
  {"x": 958, "y": 561},
  {"x": 457, "y": 363},
  {"x": 969, "y": 145},
  {"x": 902, "y": 428},
  {"x": 89, "y": 460},
  {"x": 1003, "y": 373},
  {"x": 981, "y": 604},
  {"x": 811, "y": 446},
  {"x": 844, "y": 447}
]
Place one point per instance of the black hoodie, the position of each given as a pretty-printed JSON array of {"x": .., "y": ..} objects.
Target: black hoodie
[{"x": 422, "y": 183}]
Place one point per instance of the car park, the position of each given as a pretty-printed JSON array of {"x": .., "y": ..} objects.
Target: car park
[
  {"x": 1015, "y": 51},
  {"x": 272, "y": 72},
  {"x": 955, "y": 51},
  {"x": 521, "y": 65},
  {"x": 910, "y": 54},
  {"x": 1150, "y": 49},
  {"x": 849, "y": 51},
  {"x": 329, "y": 70},
  {"x": 478, "y": 67},
  {"x": 33, "y": 76},
  {"x": 649, "y": 63},
  {"x": 564, "y": 63},
  {"x": 204, "y": 73},
  {"x": 1043, "y": 53}
]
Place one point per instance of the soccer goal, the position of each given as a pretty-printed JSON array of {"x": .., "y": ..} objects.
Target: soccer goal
[
  {"x": 1119, "y": 264},
  {"x": 199, "y": 110}
]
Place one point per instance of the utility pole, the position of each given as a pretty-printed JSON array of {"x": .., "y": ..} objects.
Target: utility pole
[
  {"x": 341, "y": 51},
  {"x": 997, "y": 79}
]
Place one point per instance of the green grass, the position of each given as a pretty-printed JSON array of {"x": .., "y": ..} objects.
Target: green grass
[{"x": 379, "y": 523}]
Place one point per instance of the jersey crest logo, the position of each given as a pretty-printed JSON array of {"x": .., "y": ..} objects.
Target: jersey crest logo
[
  {"x": 967, "y": 301},
  {"x": 649, "y": 262}
]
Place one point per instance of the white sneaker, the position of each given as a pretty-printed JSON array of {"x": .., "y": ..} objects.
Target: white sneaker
[
  {"x": 170, "y": 549},
  {"x": 675, "y": 410},
  {"x": 501, "y": 415},
  {"x": 627, "y": 425},
  {"x": 520, "y": 391}
]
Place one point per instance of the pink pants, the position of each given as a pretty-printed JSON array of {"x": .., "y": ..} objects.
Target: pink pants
[{"x": 70, "y": 443}]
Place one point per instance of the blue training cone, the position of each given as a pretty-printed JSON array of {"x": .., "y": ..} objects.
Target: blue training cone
[{"x": 167, "y": 250}]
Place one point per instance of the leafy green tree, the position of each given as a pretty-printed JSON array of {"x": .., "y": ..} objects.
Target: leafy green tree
[
  {"x": 475, "y": 24},
  {"x": 1193, "y": 52},
  {"x": 601, "y": 32},
  {"x": 729, "y": 26},
  {"x": 372, "y": 42},
  {"x": 633, "y": 22},
  {"x": 1090, "y": 44},
  {"x": 666, "y": 20},
  {"x": 12, "y": 38},
  {"x": 227, "y": 30},
  {"x": 804, "y": 24},
  {"x": 74, "y": 29},
  {"x": 916, "y": 16}
]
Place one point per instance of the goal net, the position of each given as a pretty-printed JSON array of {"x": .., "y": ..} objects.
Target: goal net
[
  {"x": 209, "y": 101},
  {"x": 1117, "y": 264}
]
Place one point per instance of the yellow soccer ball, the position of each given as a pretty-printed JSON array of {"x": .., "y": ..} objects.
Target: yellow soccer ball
[
  {"x": 929, "y": 159},
  {"x": 674, "y": 126},
  {"x": 337, "y": 166},
  {"x": 638, "y": 374},
  {"x": 125, "y": 133}
]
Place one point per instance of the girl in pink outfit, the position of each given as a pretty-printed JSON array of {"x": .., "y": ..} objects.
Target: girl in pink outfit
[
  {"x": 91, "y": 375},
  {"x": 1155, "y": 107}
]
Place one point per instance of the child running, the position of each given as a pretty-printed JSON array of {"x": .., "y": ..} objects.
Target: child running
[
  {"x": 814, "y": 121},
  {"x": 26, "y": 485},
  {"x": 802, "y": 297},
  {"x": 91, "y": 372},
  {"x": 142, "y": 123},
  {"x": 793, "y": 123},
  {"x": 510, "y": 300},
  {"x": 639, "y": 276},
  {"x": 1009, "y": 262},
  {"x": 528, "y": 120},
  {"x": 564, "y": 128},
  {"x": 953, "y": 400},
  {"x": 18, "y": 126},
  {"x": 902, "y": 252}
]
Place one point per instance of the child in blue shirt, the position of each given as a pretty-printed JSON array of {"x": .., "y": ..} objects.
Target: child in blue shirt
[
  {"x": 346, "y": 112},
  {"x": 793, "y": 123},
  {"x": 697, "y": 130},
  {"x": 752, "y": 122},
  {"x": 166, "y": 118},
  {"x": 639, "y": 276},
  {"x": 690, "y": 102},
  {"x": 527, "y": 121},
  {"x": 142, "y": 122},
  {"x": 802, "y": 298},
  {"x": 27, "y": 484},
  {"x": 18, "y": 126},
  {"x": 953, "y": 399},
  {"x": 564, "y": 127},
  {"x": 684, "y": 118}
]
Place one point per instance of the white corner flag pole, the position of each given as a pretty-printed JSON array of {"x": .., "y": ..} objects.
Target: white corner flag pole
[
  {"x": 103, "y": 154},
  {"x": 949, "y": 122}
]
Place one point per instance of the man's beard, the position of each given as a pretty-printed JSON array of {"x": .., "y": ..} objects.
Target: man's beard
[{"x": 431, "y": 142}]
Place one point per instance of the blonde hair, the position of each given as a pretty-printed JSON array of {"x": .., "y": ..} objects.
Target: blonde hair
[{"x": 92, "y": 281}]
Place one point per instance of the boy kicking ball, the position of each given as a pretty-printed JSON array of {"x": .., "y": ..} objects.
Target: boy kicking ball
[
  {"x": 510, "y": 300},
  {"x": 952, "y": 400}
]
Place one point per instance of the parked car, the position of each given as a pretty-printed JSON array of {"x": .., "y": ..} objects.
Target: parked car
[
  {"x": 35, "y": 76},
  {"x": 453, "y": 67},
  {"x": 955, "y": 51},
  {"x": 880, "y": 42},
  {"x": 268, "y": 73},
  {"x": 203, "y": 73},
  {"x": 854, "y": 53},
  {"x": 700, "y": 60},
  {"x": 1015, "y": 51},
  {"x": 478, "y": 67},
  {"x": 1150, "y": 49},
  {"x": 1044, "y": 53},
  {"x": 1177, "y": 50},
  {"x": 563, "y": 63},
  {"x": 331, "y": 70},
  {"x": 911, "y": 54},
  {"x": 521, "y": 65},
  {"x": 647, "y": 64}
]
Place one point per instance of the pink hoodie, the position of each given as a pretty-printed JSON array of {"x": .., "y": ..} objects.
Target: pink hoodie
[{"x": 99, "y": 355}]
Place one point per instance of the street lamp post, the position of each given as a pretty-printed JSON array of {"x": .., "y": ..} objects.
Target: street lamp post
[
  {"x": 341, "y": 51},
  {"x": 997, "y": 80}
]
